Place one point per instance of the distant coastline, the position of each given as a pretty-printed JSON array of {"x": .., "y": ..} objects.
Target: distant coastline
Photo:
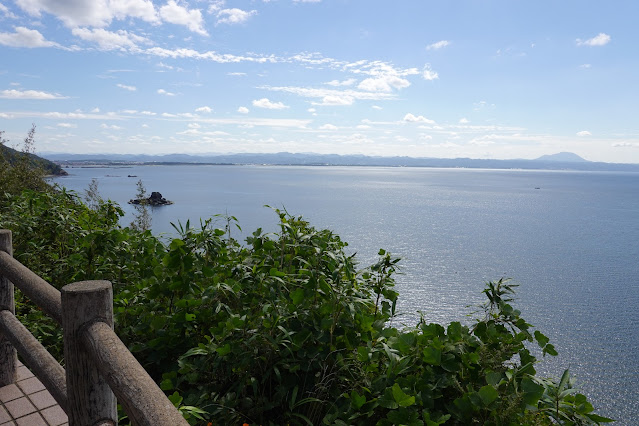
[{"x": 561, "y": 161}]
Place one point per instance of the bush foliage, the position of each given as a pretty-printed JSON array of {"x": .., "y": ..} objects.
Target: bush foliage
[{"x": 286, "y": 328}]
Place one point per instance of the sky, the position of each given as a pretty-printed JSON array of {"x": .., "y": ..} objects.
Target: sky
[{"x": 497, "y": 79}]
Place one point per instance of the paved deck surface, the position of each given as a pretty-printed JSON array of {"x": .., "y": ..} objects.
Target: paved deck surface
[{"x": 28, "y": 403}]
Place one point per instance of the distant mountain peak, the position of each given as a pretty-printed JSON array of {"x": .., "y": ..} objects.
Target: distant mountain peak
[{"x": 565, "y": 157}]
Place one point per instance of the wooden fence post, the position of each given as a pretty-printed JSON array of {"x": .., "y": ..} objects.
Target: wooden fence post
[
  {"x": 8, "y": 354},
  {"x": 90, "y": 398}
]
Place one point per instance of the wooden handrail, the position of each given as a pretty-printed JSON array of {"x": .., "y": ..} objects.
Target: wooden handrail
[
  {"x": 99, "y": 366},
  {"x": 43, "y": 364},
  {"x": 35, "y": 288}
]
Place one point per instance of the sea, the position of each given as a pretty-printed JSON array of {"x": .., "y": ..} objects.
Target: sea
[{"x": 569, "y": 239}]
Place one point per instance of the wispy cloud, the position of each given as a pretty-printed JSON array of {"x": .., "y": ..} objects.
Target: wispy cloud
[
  {"x": 584, "y": 133},
  {"x": 165, "y": 93},
  {"x": 429, "y": 74},
  {"x": 4, "y": 10},
  {"x": 411, "y": 118},
  {"x": 30, "y": 94},
  {"x": 600, "y": 39},
  {"x": 384, "y": 83},
  {"x": 332, "y": 96},
  {"x": 234, "y": 16},
  {"x": 24, "y": 37},
  {"x": 266, "y": 103},
  {"x": 243, "y": 110},
  {"x": 109, "y": 40},
  {"x": 337, "y": 83},
  {"x": 328, "y": 126},
  {"x": 125, "y": 87},
  {"x": 438, "y": 45},
  {"x": 205, "y": 109}
]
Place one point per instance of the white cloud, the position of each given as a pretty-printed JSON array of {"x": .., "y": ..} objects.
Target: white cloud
[
  {"x": 482, "y": 105},
  {"x": 237, "y": 74},
  {"x": 337, "y": 100},
  {"x": 125, "y": 87},
  {"x": 215, "y": 6},
  {"x": 332, "y": 96},
  {"x": 190, "y": 18},
  {"x": 165, "y": 93},
  {"x": 584, "y": 133},
  {"x": 463, "y": 120},
  {"x": 67, "y": 125},
  {"x": 24, "y": 37},
  {"x": 429, "y": 74},
  {"x": 243, "y": 110},
  {"x": 142, "y": 9},
  {"x": 234, "y": 16},
  {"x": 438, "y": 45},
  {"x": 328, "y": 127},
  {"x": 410, "y": 118},
  {"x": 108, "y": 40},
  {"x": 95, "y": 110},
  {"x": 337, "y": 83},
  {"x": 585, "y": 66},
  {"x": 600, "y": 39},
  {"x": 29, "y": 94},
  {"x": 205, "y": 109},
  {"x": 377, "y": 107},
  {"x": 383, "y": 84},
  {"x": 96, "y": 13},
  {"x": 6, "y": 12},
  {"x": 265, "y": 103},
  {"x": 110, "y": 126}
]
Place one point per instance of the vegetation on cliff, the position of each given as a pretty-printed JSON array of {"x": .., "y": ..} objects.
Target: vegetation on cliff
[
  {"x": 19, "y": 160},
  {"x": 286, "y": 328}
]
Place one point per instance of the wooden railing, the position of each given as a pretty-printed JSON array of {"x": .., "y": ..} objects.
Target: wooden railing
[{"x": 99, "y": 367}]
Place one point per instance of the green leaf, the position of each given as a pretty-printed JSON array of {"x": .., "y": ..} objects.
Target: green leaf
[
  {"x": 357, "y": 401},
  {"x": 297, "y": 296},
  {"x": 493, "y": 378},
  {"x": 274, "y": 272},
  {"x": 532, "y": 391},
  {"x": 600, "y": 419},
  {"x": 488, "y": 394},
  {"x": 166, "y": 384},
  {"x": 401, "y": 398},
  {"x": 175, "y": 398},
  {"x": 388, "y": 400},
  {"x": 432, "y": 355},
  {"x": 224, "y": 350},
  {"x": 550, "y": 349}
]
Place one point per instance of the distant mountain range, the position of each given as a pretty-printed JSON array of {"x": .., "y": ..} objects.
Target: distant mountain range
[{"x": 560, "y": 161}]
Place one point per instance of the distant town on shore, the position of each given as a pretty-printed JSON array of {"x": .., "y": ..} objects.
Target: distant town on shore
[{"x": 559, "y": 161}]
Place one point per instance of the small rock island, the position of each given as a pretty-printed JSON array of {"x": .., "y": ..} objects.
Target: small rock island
[{"x": 156, "y": 199}]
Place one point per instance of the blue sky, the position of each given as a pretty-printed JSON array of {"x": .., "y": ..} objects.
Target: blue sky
[{"x": 480, "y": 79}]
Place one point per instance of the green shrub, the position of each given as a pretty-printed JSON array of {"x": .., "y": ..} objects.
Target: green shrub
[{"x": 286, "y": 329}]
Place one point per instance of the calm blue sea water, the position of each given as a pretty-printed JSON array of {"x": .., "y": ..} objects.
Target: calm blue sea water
[{"x": 570, "y": 239}]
